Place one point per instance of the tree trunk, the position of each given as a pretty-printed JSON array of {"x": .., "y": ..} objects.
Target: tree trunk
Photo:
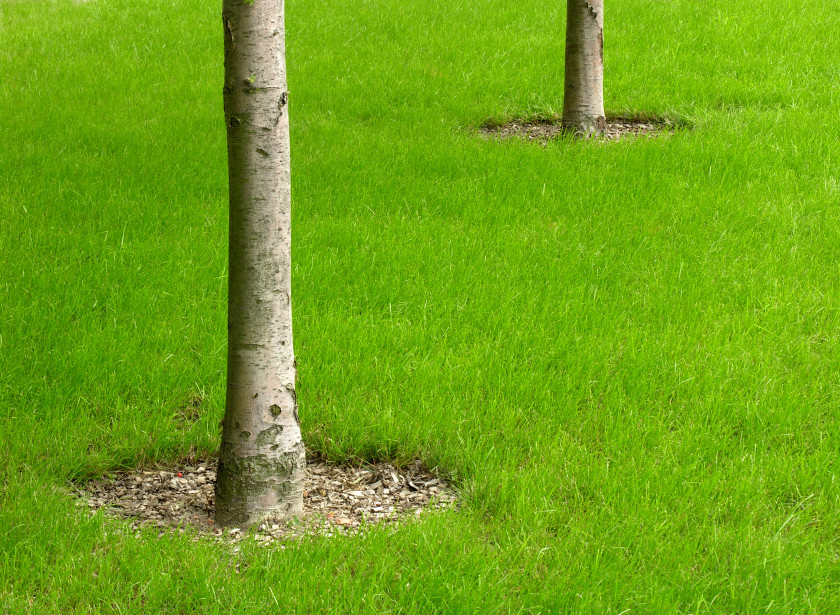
[
  {"x": 262, "y": 459},
  {"x": 583, "y": 100}
]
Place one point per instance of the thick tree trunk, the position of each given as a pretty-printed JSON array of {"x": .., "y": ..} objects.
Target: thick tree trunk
[
  {"x": 262, "y": 457},
  {"x": 583, "y": 101}
]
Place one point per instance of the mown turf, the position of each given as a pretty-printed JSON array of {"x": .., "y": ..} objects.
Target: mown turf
[{"x": 625, "y": 355}]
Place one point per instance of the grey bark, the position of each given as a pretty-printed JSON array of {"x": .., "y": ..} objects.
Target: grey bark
[
  {"x": 583, "y": 100},
  {"x": 262, "y": 458}
]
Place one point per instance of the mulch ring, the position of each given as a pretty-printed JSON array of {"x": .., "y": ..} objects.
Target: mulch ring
[
  {"x": 543, "y": 130},
  {"x": 338, "y": 499}
]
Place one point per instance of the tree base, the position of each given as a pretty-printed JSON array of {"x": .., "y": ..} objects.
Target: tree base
[
  {"x": 585, "y": 126},
  {"x": 251, "y": 489}
]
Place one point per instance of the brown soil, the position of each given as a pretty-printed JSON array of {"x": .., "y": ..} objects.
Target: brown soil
[
  {"x": 543, "y": 131},
  {"x": 337, "y": 499}
]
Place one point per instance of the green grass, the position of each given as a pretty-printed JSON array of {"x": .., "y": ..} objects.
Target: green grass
[{"x": 627, "y": 356}]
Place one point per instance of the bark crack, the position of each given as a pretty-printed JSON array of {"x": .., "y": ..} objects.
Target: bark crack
[
  {"x": 281, "y": 103},
  {"x": 591, "y": 9},
  {"x": 601, "y": 45},
  {"x": 228, "y": 31}
]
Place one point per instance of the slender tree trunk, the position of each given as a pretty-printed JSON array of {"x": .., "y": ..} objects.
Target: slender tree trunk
[
  {"x": 583, "y": 101},
  {"x": 262, "y": 458}
]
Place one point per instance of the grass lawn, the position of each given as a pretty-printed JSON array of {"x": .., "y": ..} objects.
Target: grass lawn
[{"x": 626, "y": 355}]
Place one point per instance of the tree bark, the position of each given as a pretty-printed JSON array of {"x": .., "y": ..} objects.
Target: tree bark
[
  {"x": 262, "y": 458},
  {"x": 583, "y": 100}
]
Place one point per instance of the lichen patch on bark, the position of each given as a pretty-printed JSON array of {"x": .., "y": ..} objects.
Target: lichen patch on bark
[{"x": 269, "y": 436}]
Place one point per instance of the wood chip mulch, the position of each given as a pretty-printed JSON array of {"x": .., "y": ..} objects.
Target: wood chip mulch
[
  {"x": 337, "y": 499},
  {"x": 544, "y": 131}
]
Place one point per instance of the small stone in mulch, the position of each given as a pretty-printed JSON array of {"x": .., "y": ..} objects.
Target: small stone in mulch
[
  {"x": 337, "y": 499},
  {"x": 543, "y": 131}
]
